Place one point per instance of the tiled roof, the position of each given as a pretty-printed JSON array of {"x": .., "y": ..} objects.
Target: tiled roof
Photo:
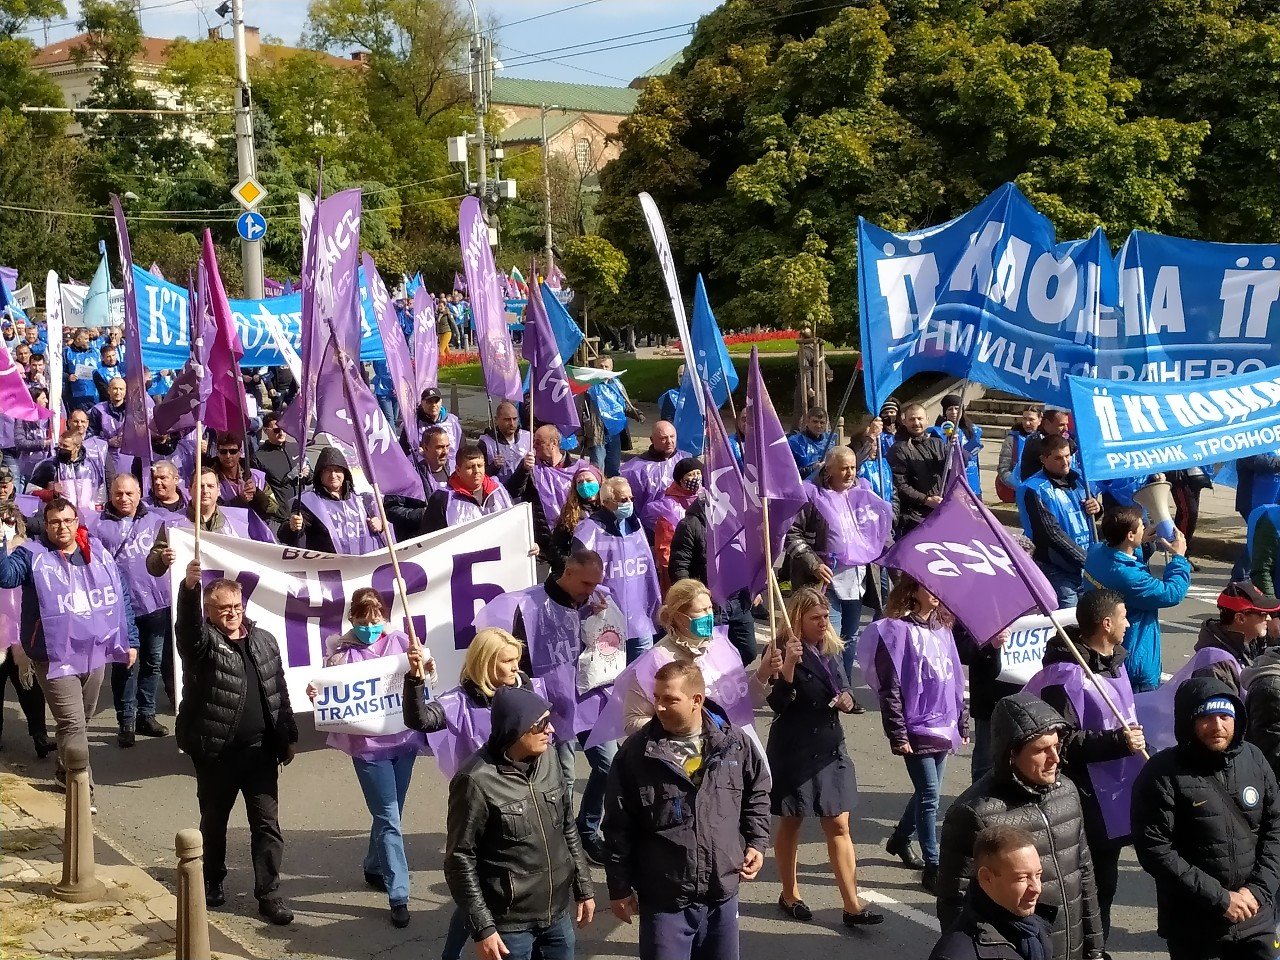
[
  {"x": 155, "y": 52},
  {"x": 583, "y": 97},
  {"x": 665, "y": 67},
  {"x": 529, "y": 130}
]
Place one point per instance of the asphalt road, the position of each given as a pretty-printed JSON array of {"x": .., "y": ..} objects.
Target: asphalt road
[{"x": 147, "y": 794}]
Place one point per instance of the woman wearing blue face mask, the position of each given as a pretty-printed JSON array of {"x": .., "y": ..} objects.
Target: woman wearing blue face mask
[
  {"x": 384, "y": 764},
  {"x": 582, "y": 501}
]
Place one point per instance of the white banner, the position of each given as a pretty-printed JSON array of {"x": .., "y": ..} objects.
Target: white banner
[
  {"x": 53, "y": 352},
  {"x": 363, "y": 697},
  {"x": 25, "y": 297},
  {"x": 73, "y": 295},
  {"x": 300, "y": 597},
  {"x": 1021, "y": 655},
  {"x": 658, "y": 231}
]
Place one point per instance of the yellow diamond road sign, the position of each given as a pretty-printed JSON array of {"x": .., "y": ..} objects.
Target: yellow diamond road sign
[{"x": 249, "y": 192}]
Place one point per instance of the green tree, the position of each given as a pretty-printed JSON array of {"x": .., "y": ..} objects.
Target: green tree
[
  {"x": 597, "y": 269},
  {"x": 777, "y": 131}
]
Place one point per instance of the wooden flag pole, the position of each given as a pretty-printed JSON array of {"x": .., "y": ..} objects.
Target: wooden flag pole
[
  {"x": 768, "y": 569},
  {"x": 199, "y": 513},
  {"x": 1093, "y": 677}
]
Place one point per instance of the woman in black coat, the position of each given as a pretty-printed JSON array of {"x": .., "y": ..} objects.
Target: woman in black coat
[{"x": 812, "y": 773}]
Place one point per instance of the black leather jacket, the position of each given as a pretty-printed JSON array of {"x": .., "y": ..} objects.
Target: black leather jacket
[
  {"x": 214, "y": 688},
  {"x": 512, "y": 855}
]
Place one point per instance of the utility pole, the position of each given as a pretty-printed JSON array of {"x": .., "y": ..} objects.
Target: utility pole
[
  {"x": 548, "y": 256},
  {"x": 481, "y": 75},
  {"x": 250, "y": 250}
]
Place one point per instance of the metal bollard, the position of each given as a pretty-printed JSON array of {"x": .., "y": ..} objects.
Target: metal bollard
[
  {"x": 80, "y": 883},
  {"x": 193, "y": 917}
]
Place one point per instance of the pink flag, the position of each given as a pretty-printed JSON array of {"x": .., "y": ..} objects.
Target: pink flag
[
  {"x": 183, "y": 406},
  {"x": 734, "y": 552},
  {"x": 225, "y": 411},
  {"x": 15, "y": 401},
  {"x": 497, "y": 355}
]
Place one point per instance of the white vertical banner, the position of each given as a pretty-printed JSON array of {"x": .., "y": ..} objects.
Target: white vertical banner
[
  {"x": 53, "y": 352},
  {"x": 658, "y": 231},
  {"x": 301, "y": 597}
]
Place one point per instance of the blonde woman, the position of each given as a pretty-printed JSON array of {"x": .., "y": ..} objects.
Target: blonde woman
[
  {"x": 457, "y": 723},
  {"x": 813, "y": 774},
  {"x": 691, "y": 637},
  {"x": 614, "y": 532}
]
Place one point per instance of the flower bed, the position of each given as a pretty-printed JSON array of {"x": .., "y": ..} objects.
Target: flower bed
[
  {"x": 459, "y": 358},
  {"x": 760, "y": 337}
]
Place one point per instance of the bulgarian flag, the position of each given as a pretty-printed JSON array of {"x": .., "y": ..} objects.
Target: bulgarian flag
[{"x": 582, "y": 379}]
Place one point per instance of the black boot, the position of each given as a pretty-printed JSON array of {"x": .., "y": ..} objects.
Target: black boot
[
  {"x": 904, "y": 851},
  {"x": 275, "y": 911},
  {"x": 929, "y": 879},
  {"x": 44, "y": 746},
  {"x": 213, "y": 895},
  {"x": 148, "y": 727},
  {"x": 126, "y": 736}
]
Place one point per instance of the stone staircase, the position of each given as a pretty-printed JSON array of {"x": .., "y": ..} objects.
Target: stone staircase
[{"x": 996, "y": 413}]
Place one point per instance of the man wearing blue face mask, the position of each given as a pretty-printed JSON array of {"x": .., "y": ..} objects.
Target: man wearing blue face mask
[{"x": 614, "y": 532}]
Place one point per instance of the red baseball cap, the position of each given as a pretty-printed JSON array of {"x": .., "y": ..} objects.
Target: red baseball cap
[{"x": 1243, "y": 597}]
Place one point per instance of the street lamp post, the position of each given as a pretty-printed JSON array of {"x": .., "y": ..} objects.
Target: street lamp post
[
  {"x": 548, "y": 256},
  {"x": 246, "y": 163}
]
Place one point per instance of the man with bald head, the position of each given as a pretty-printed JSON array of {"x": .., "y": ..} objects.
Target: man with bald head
[
  {"x": 651, "y": 472},
  {"x": 504, "y": 444},
  {"x": 128, "y": 529}
]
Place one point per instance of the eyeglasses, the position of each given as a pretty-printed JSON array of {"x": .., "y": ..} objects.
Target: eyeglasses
[
  {"x": 62, "y": 523},
  {"x": 229, "y": 608},
  {"x": 228, "y": 452},
  {"x": 542, "y": 725}
]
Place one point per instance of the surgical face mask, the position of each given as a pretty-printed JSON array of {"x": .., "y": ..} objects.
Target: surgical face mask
[
  {"x": 623, "y": 511},
  {"x": 588, "y": 489},
  {"x": 691, "y": 483},
  {"x": 702, "y": 626},
  {"x": 367, "y": 633}
]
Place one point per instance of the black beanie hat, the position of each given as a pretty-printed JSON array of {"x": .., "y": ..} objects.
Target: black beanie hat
[
  {"x": 513, "y": 711},
  {"x": 686, "y": 466}
]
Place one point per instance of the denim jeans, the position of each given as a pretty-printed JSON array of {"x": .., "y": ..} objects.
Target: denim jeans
[
  {"x": 385, "y": 783},
  {"x": 388, "y": 407},
  {"x": 920, "y": 818},
  {"x": 981, "y": 761},
  {"x": 591, "y": 810},
  {"x": 1065, "y": 584},
  {"x": 552, "y": 942},
  {"x": 595, "y": 453},
  {"x": 612, "y": 455},
  {"x": 742, "y": 625},
  {"x": 134, "y": 688},
  {"x": 846, "y": 617},
  {"x": 703, "y": 931},
  {"x": 637, "y": 646},
  {"x": 455, "y": 941}
]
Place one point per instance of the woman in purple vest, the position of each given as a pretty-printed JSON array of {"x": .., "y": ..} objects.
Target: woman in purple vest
[
  {"x": 457, "y": 723},
  {"x": 615, "y": 533},
  {"x": 331, "y": 517},
  {"x": 582, "y": 500},
  {"x": 909, "y": 660},
  {"x": 812, "y": 772},
  {"x": 384, "y": 764},
  {"x": 31, "y": 437}
]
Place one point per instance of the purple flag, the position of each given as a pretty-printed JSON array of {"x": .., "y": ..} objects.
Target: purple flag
[
  {"x": 769, "y": 470},
  {"x": 184, "y": 404},
  {"x": 459, "y": 284},
  {"x": 426, "y": 343},
  {"x": 969, "y": 561},
  {"x": 136, "y": 438},
  {"x": 272, "y": 288},
  {"x": 155, "y": 271},
  {"x": 225, "y": 409},
  {"x": 14, "y": 398},
  {"x": 9, "y": 277},
  {"x": 548, "y": 383},
  {"x": 731, "y": 549},
  {"x": 397, "y": 351},
  {"x": 497, "y": 355}
]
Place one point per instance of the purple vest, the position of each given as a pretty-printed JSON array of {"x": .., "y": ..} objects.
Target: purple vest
[
  {"x": 628, "y": 573},
  {"x": 728, "y": 685},
  {"x": 1155, "y": 707},
  {"x": 79, "y": 483},
  {"x": 649, "y": 478},
  {"x": 97, "y": 451},
  {"x": 10, "y": 618},
  {"x": 392, "y": 643},
  {"x": 7, "y": 431},
  {"x": 930, "y": 677},
  {"x": 460, "y": 509},
  {"x": 110, "y": 420},
  {"x": 664, "y": 508},
  {"x": 147, "y": 594},
  {"x": 81, "y": 611},
  {"x": 554, "y": 641},
  {"x": 1112, "y": 779},
  {"x": 467, "y": 727},
  {"x": 858, "y": 523},
  {"x": 229, "y": 492},
  {"x": 347, "y": 522},
  {"x": 510, "y": 452},
  {"x": 553, "y": 485}
]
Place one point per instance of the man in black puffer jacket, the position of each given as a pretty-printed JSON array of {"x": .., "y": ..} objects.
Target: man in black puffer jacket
[
  {"x": 689, "y": 562},
  {"x": 1025, "y": 789},
  {"x": 236, "y": 724},
  {"x": 1206, "y": 825}
]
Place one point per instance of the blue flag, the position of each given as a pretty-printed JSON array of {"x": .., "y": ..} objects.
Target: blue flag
[
  {"x": 568, "y": 336},
  {"x": 97, "y": 301},
  {"x": 715, "y": 369},
  {"x": 7, "y": 307}
]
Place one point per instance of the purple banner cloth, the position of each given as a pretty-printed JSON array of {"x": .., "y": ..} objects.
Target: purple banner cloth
[
  {"x": 184, "y": 404},
  {"x": 393, "y": 343},
  {"x": 136, "y": 440},
  {"x": 15, "y": 400},
  {"x": 488, "y": 309},
  {"x": 1155, "y": 707},
  {"x": 1112, "y": 779},
  {"x": 225, "y": 410},
  {"x": 930, "y": 678},
  {"x": 970, "y": 562},
  {"x": 628, "y": 573},
  {"x": 549, "y": 391},
  {"x": 858, "y": 522},
  {"x": 728, "y": 686},
  {"x": 426, "y": 348},
  {"x": 769, "y": 470},
  {"x": 734, "y": 552}
]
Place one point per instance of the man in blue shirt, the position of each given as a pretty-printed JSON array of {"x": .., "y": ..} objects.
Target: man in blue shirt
[
  {"x": 811, "y": 444},
  {"x": 80, "y": 366}
]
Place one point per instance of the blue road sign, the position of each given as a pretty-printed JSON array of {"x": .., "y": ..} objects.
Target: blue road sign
[{"x": 251, "y": 225}]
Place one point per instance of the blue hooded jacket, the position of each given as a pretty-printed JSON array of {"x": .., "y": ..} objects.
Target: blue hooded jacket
[{"x": 1144, "y": 596}]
